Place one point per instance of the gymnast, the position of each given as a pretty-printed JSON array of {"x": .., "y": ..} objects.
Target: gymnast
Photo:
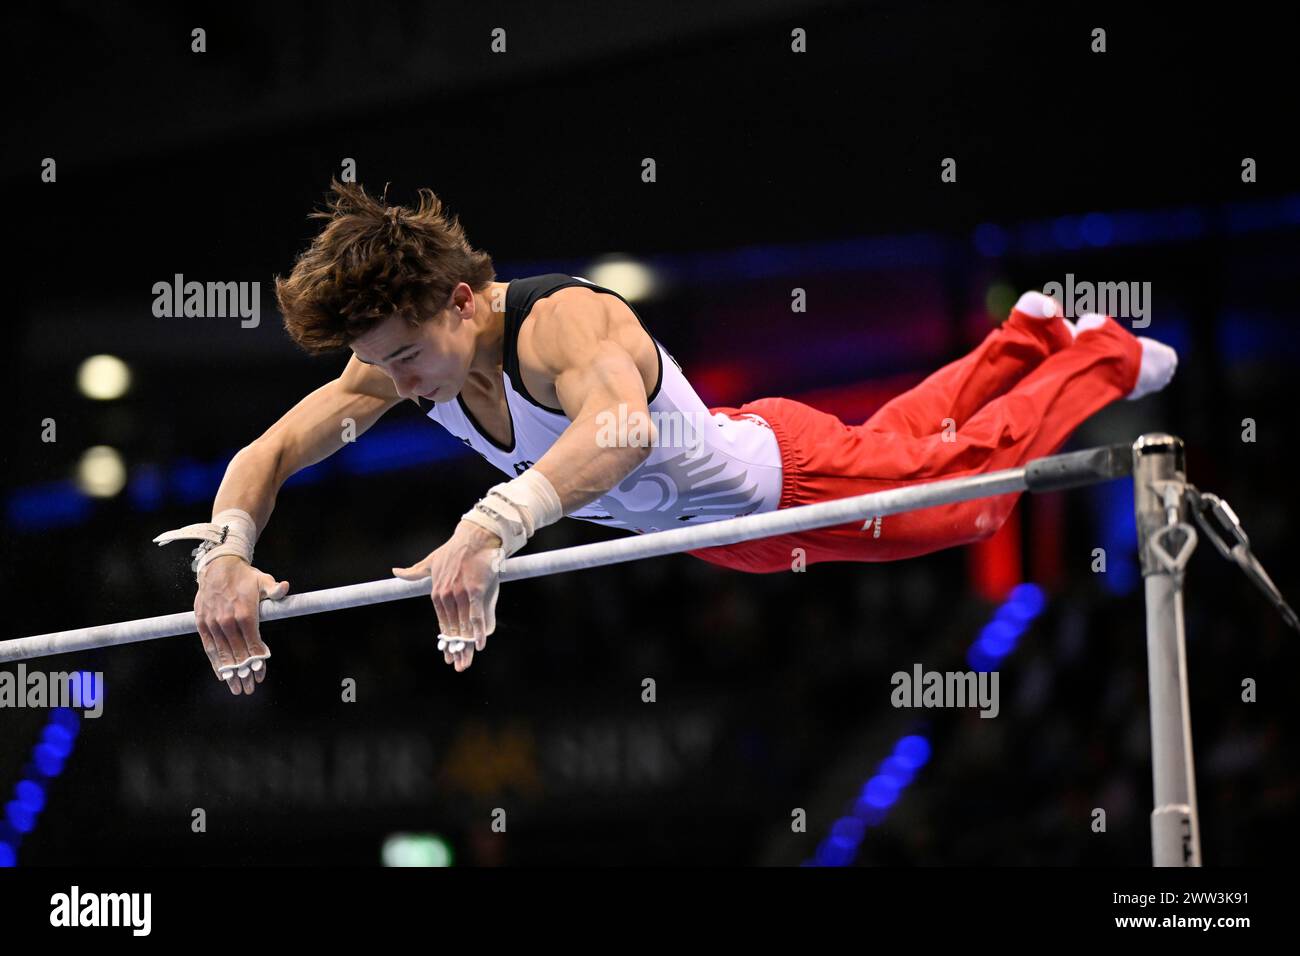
[{"x": 529, "y": 373}]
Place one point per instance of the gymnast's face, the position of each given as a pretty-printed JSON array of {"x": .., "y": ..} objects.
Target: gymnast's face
[{"x": 430, "y": 360}]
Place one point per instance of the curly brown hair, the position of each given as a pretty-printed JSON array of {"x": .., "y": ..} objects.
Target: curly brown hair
[{"x": 372, "y": 261}]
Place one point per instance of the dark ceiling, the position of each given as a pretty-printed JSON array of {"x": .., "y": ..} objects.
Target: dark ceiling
[{"x": 207, "y": 163}]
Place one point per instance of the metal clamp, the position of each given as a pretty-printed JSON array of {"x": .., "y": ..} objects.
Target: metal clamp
[
  {"x": 1172, "y": 496},
  {"x": 1174, "y": 561},
  {"x": 1222, "y": 526}
]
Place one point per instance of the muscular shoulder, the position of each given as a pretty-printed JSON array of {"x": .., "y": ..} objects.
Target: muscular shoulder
[
  {"x": 561, "y": 326},
  {"x": 574, "y": 324}
]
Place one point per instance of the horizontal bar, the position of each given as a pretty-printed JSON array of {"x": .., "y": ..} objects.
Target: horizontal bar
[
  {"x": 1076, "y": 468},
  {"x": 824, "y": 514}
]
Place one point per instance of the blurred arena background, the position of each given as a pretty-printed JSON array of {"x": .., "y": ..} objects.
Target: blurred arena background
[{"x": 776, "y": 171}]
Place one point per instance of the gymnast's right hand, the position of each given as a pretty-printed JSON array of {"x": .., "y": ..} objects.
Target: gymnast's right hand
[{"x": 225, "y": 609}]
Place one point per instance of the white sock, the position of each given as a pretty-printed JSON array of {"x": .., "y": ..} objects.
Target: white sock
[
  {"x": 1159, "y": 362},
  {"x": 1087, "y": 321},
  {"x": 1038, "y": 305}
]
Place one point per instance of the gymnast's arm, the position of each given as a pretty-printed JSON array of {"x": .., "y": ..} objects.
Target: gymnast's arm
[
  {"x": 583, "y": 349},
  {"x": 225, "y": 606},
  {"x": 309, "y": 432}
]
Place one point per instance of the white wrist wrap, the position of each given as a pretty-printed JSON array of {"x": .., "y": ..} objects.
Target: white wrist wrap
[
  {"x": 515, "y": 510},
  {"x": 232, "y": 532}
]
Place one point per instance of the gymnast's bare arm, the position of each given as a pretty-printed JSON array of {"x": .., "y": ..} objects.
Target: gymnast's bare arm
[
  {"x": 585, "y": 353},
  {"x": 226, "y": 603}
]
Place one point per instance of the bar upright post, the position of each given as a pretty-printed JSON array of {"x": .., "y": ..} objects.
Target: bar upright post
[{"x": 1166, "y": 539}]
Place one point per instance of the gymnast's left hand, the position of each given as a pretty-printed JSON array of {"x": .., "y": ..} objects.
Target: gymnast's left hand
[{"x": 465, "y": 575}]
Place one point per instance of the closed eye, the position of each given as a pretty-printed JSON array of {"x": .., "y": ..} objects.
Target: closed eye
[{"x": 409, "y": 357}]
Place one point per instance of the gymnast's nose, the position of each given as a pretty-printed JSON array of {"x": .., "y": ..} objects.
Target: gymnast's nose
[{"x": 407, "y": 388}]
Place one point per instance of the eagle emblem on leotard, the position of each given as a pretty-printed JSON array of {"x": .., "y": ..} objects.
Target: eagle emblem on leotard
[{"x": 687, "y": 486}]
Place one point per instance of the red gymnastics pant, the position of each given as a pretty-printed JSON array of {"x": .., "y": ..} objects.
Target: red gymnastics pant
[{"x": 1017, "y": 397}]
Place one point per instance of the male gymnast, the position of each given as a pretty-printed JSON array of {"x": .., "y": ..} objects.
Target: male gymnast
[{"x": 530, "y": 373}]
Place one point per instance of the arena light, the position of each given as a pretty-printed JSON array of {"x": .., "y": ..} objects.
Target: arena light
[
  {"x": 101, "y": 472},
  {"x": 104, "y": 377},
  {"x": 416, "y": 849},
  {"x": 632, "y": 280}
]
